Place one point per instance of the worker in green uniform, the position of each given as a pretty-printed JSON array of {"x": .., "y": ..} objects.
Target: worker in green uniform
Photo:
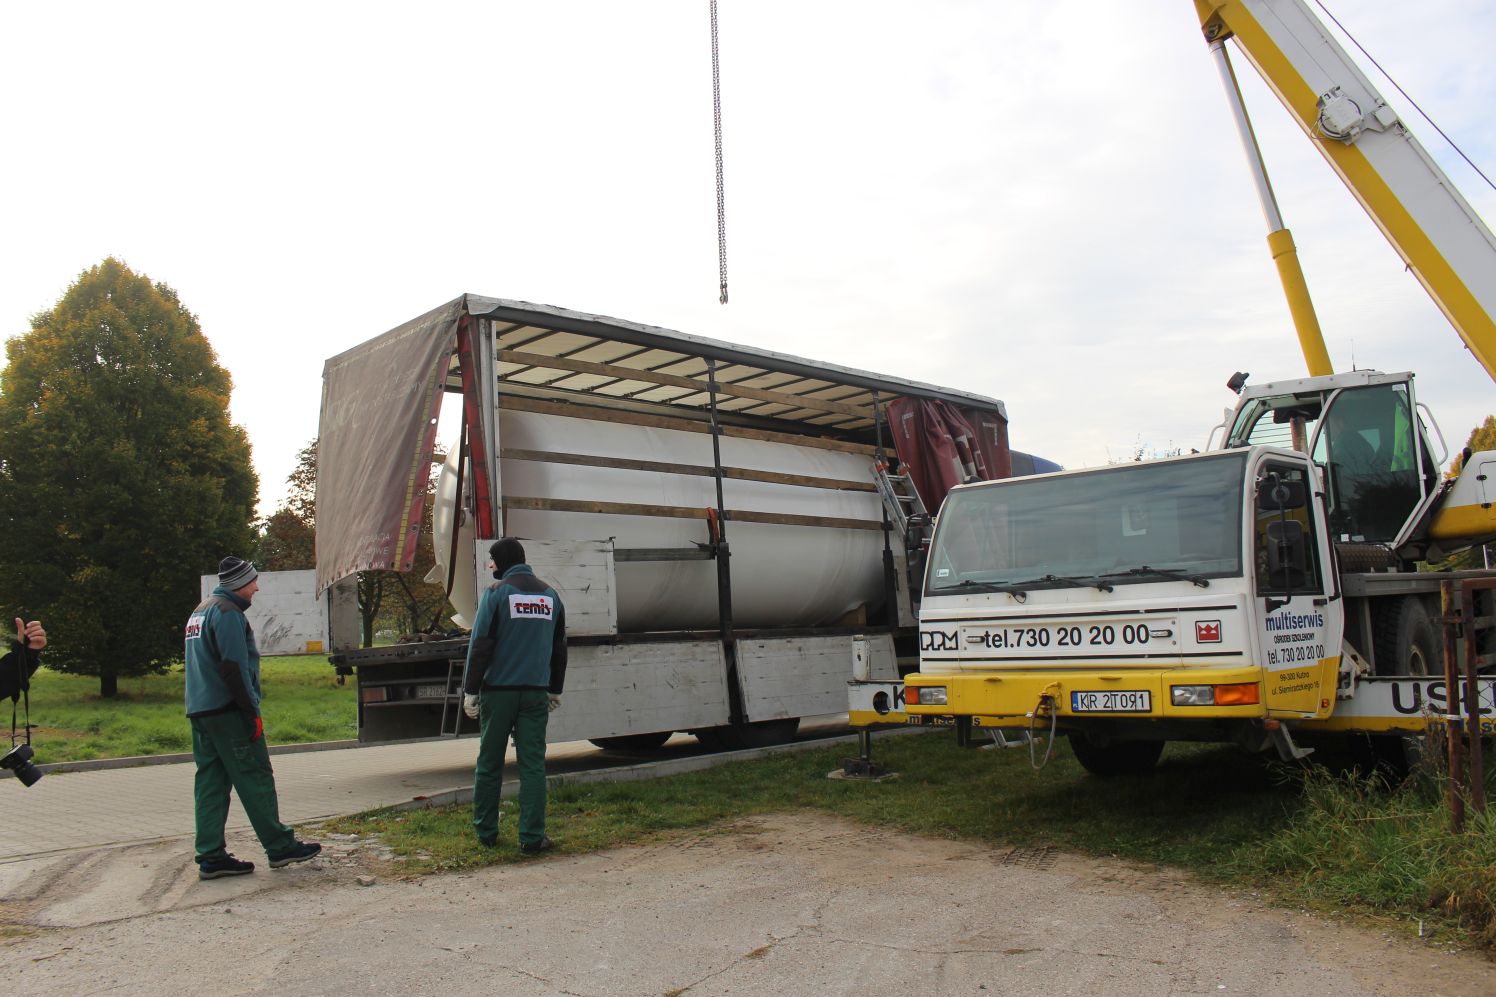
[
  {"x": 516, "y": 667},
  {"x": 228, "y": 734}
]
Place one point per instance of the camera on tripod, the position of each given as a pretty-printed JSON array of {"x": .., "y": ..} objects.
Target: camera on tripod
[{"x": 18, "y": 760}]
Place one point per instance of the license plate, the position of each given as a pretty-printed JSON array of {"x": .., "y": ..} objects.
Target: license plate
[
  {"x": 1112, "y": 701},
  {"x": 431, "y": 691}
]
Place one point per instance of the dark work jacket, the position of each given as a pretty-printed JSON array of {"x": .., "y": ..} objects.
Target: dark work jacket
[
  {"x": 223, "y": 663},
  {"x": 519, "y": 636}
]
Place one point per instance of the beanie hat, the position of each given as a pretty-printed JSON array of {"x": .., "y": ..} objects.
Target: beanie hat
[
  {"x": 506, "y": 553},
  {"x": 234, "y": 573}
]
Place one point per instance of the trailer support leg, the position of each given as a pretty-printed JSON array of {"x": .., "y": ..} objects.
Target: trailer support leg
[{"x": 862, "y": 768}]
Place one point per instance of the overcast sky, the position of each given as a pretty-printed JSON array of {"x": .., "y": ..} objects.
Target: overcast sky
[{"x": 1037, "y": 200}]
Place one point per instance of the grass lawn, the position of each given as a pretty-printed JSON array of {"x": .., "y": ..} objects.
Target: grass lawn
[
  {"x": 1305, "y": 837},
  {"x": 302, "y": 702}
]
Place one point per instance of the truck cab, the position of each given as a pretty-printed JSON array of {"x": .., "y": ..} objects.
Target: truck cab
[{"x": 1189, "y": 598}]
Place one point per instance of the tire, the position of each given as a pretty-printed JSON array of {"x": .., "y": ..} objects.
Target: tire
[
  {"x": 633, "y": 742},
  {"x": 1390, "y": 758},
  {"x": 1407, "y": 641},
  {"x": 754, "y": 735},
  {"x": 1116, "y": 757}
]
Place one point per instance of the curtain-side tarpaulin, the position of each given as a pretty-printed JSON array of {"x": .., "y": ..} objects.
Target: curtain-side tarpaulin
[
  {"x": 942, "y": 445},
  {"x": 380, "y": 401}
]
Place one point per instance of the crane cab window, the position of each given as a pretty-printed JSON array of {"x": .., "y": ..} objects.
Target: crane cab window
[
  {"x": 1269, "y": 421},
  {"x": 1376, "y": 473}
]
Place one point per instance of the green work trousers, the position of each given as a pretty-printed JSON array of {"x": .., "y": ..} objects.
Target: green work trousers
[
  {"x": 521, "y": 713},
  {"x": 226, "y": 758}
]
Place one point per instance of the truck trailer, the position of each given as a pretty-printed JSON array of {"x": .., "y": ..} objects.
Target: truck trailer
[{"x": 721, "y": 521}]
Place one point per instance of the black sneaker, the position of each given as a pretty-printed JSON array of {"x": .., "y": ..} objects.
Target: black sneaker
[
  {"x": 300, "y": 852},
  {"x": 225, "y": 866},
  {"x": 545, "y": 844}
]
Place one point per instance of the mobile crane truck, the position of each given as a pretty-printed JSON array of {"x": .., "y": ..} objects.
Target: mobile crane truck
[{"x": 1263, "y": 592}]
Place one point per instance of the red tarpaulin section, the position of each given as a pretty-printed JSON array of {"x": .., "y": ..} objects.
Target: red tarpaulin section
[
  {"x": 380, "y": 401},
  {"x": 472, "y": 422},
  {"x": 942, "y": 445}
]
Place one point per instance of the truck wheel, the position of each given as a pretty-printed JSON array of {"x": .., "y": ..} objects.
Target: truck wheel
[
  {"x": 1389, "y": 757},
  {"x": 633, "y": 742},
  {"x": 1407, "y": 643},
  {"x": 1116, "y": 757}
]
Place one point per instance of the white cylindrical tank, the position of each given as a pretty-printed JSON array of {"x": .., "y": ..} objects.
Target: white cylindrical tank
[{"x": 782, "y": 575}]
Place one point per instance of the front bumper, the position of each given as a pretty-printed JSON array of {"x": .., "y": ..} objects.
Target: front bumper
[{"x": 1015, "y": 695}]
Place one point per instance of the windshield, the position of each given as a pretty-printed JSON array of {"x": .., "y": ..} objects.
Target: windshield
[{"x": 1030, "y": 533}]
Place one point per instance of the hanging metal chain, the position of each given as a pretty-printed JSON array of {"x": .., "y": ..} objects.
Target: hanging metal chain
[{"x": 717, "y": 122}]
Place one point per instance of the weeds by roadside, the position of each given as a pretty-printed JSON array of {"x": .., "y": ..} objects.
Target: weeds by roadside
[{"x": 1358, "y": 843}]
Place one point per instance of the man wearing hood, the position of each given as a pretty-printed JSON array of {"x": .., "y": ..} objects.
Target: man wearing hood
[
  {"x": 228, "y": 735},
  {"x": 516, "y": 667}
]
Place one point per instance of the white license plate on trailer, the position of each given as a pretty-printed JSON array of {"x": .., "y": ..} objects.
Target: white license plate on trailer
[
  {"x": 1112, "y": 701},
  {"x": 431, "y": 692}
]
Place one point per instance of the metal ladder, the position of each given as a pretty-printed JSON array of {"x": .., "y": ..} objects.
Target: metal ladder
[
  {"x": 452, "y": 705},
  {"x": 901, "y": 500}
]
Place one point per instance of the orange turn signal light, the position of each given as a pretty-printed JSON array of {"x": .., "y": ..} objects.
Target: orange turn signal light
[{"x": 1243, "y": 694}]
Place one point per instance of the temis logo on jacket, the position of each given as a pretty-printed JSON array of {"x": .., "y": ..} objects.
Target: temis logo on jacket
[
  {"x": 531, "y": 607},
  {"x": 195, "y": 626}
]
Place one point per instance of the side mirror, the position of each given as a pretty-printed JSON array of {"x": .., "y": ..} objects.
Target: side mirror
[{"x": 1277, "y": 494}]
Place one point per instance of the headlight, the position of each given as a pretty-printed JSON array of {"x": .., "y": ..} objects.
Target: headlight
[
  {"x": 925, "y": 695},
  {"x": 1239, "y": 694},
  {"x": 1192, "y": 695}
]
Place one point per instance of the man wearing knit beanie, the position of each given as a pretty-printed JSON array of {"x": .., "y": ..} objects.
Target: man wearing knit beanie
[
  {"x": 234, "y": 574},
  {"x": 516, "y": 666},
  {"x": 228, "y": 735}
]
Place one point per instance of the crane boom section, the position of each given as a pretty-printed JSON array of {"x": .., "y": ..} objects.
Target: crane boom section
[{"x": 1435, "y": 231}]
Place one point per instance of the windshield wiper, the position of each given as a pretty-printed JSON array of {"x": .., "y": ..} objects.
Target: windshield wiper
[
  {"x": 1093, "y": 582},
  {"x": 1185, "y": 576},
  {"x": 972, "y": 585},
  {"x": 1019, "y": 590}
]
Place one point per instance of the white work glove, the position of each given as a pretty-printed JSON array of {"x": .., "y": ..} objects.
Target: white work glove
[
  {"x": 470, "y": 706},
  {"x": 555, "y": 701}
]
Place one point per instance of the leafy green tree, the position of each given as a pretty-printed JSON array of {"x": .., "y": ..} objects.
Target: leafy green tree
[
  {"x": 122, "y": 479},
  {"x": 287, "y": 543},
  {"x": 422, "y": 605},
  {"x": 370, "y": 599},
  {"x": 301, "y": 501},
  {"x": 1482, "y": 437},
  {"x": 288, "y": 536}
]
